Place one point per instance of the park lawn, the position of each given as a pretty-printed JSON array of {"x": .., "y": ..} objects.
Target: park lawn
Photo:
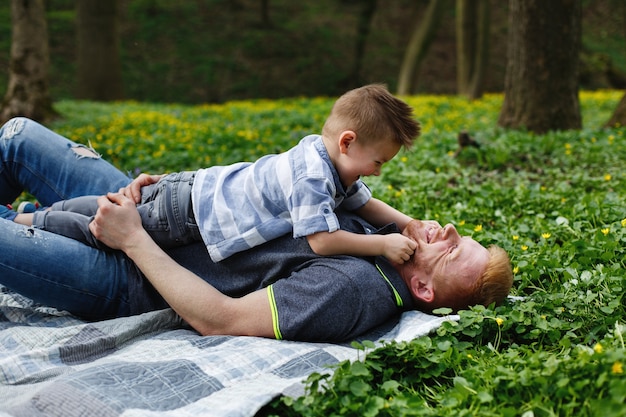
[{"x": 555, "y": 202}]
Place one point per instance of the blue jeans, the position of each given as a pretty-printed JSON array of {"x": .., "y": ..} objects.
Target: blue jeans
[{"x": 48, "y": 268}]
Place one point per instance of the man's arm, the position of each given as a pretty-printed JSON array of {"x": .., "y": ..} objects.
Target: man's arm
[{"x": 208, "y": 311}]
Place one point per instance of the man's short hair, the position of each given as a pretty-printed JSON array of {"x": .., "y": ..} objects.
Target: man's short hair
[{"x": 492, "y": 286}]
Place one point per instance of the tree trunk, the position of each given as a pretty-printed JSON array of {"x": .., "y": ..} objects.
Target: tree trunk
[
  {"x": 619, "y": 116},
  {"x": 423, "y": 35},
  {"x": 472, "y": 33},
  {"x": 265, "y": 14},
  {"x": 28, "y": 91},
  {"x": 363, "y": 30},
  {"x": 99, "y": 64},
  {"x": 541, "y": 83}
]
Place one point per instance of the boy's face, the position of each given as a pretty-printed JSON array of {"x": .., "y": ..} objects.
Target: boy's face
[{"x": 362, "y": 160}]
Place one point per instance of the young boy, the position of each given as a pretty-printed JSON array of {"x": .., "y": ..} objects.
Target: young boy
[{"x": 236, "y": 207}]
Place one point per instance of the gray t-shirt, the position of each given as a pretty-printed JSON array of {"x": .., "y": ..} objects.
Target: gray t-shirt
[{"x": 313, "y": 298}]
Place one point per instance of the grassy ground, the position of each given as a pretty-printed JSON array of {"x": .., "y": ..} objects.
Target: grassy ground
[{"x": 555, "y": 202}]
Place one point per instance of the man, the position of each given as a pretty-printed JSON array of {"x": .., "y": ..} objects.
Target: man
[{"x": 280, "y": 289}]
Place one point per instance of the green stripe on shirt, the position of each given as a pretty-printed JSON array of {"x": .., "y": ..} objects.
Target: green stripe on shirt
[
  {"x": 275, "y": 324},
  {"x": 399, "y": 301}
]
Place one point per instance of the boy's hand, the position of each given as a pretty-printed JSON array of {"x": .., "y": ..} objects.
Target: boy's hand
[
  {"x": 398, "y": 248},
  {"x": 133, "y": 190}
]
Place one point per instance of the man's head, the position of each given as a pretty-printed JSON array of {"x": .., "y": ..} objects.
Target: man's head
[
  {"x": 449, "y": 270},
  {"x": 373, "y": 114}
]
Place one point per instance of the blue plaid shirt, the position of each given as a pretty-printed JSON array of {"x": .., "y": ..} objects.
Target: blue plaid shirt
[{"x": 243, "y": 205}]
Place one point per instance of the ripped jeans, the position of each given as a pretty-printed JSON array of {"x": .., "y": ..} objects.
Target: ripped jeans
[
  {"x": 49, "y": 268},
  {"x": 49, "y": 166}
]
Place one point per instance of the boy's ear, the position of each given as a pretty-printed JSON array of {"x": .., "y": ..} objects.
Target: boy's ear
[{"x": 346, "y": 139}]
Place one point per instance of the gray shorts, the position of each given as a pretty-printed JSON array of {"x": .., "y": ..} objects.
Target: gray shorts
[{"x": 165, "y": 209}]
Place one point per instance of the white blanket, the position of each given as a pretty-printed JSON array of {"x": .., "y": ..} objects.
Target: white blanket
[{"x": 53, "y": 364}]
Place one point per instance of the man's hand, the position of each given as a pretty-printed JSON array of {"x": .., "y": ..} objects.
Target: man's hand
[
  {"x": 133, "y": 190},
  {"x": 117, "y": 221},
  {"x": 398, "y": 248}
]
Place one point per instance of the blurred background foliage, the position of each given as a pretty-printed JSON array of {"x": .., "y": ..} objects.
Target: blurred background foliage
[{"x": 219, "y": 50}]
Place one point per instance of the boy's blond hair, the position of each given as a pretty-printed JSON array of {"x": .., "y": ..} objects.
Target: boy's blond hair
[{"x": 374, "y": 114}]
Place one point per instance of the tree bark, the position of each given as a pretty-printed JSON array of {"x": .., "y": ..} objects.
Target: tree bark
[
  {"x": 541, "y": 83},
  {"x": 28, "y": 92},
  {"x": 363, "y": 30},
  {"x": 423, "y": 35},
  {"x": 99, "y": 65},
  {"x": 472, "y": 33},
  {"x": 618, "y": 119}
]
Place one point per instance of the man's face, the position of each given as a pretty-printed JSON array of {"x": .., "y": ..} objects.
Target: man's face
[{"x": 443, "y": 259}]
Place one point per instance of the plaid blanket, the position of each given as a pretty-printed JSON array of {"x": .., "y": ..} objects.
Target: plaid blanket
[{"x": 53, "y": 364}]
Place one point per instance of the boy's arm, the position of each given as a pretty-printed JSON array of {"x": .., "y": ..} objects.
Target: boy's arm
[
  {"x": 207, "y": 310},
  {"x": 378, "y": 214},
  {"x": 394, "y": 246}
]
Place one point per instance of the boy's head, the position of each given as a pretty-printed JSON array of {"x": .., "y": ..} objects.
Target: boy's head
[{"x": 374, "y": 114}]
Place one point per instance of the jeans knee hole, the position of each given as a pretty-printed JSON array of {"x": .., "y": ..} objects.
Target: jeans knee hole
[{"x": 85, "y": 152}]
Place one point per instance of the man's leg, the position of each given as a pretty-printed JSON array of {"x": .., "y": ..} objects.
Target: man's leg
[
  {"x": 63, "y": 273},
  {"x": 49, "y": 166}
]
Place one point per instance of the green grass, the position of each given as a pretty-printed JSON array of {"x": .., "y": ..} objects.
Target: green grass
[{"x": 555, "y": 202}]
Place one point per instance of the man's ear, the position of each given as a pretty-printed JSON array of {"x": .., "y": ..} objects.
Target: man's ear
[
  {"x": 346, "y": 139},
  {"x": 423, "y": 291}
]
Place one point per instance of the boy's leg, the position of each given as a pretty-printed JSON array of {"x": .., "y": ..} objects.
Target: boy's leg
[
  {"x": 70, "y": 218},
  {"x": 166, "y": 211},
  {"x": 49, "y": 166}
]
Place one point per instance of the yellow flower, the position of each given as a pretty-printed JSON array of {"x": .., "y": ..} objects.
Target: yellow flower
[
  {"x": 516, "y": 270},
  {"x": 404, "y": 159},
  {"x": 545, "y": 235},
  {"x": 617, "y": 368},
  {"x": 499, "y": 321},
  {"x": 623, "y": 222},
  {"x": 597, "y": 348},
  {"x": 607, "y": 177},
  {"x": 462, "y": 222},
  {"x": 515, "y": 237},
  {"x": 605, "y": 231},
  {"x": 524, "y": 247},
  {"x": 478, "y": 228}
]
